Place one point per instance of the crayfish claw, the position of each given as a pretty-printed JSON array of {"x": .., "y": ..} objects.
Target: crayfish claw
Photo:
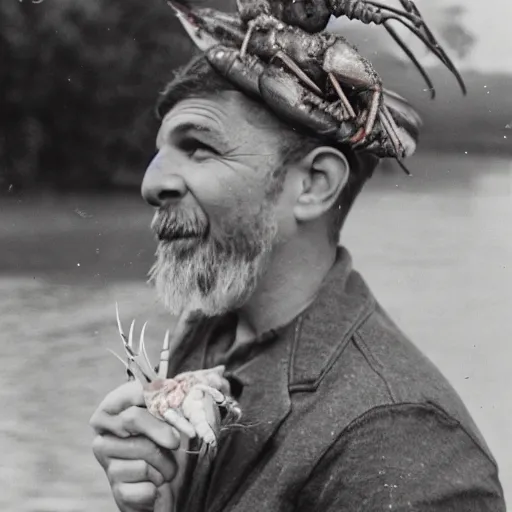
[
  {"x": 119, "y": 326},
  {"x": 207, "y": 450},
  {"x": 137, "y": 364},
  {"x": 219, "y": 398},
  {"x": 142, "y": 346},
  {"x": 295, "y": 68},
  {"x": 288, "y": 98},
  {"x": 359, "y": 137},
  {"x": 129, "y": 343},
  {"x": 244, "y": 73},
  {"x": 185, "y": 326},
  {"x": 165, "y": 355}
]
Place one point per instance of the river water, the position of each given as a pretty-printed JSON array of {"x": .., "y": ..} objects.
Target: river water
[{"x": 436, "y": 250}]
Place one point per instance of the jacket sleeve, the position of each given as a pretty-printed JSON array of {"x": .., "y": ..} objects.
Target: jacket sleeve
[{"x": 399, "y": 458}]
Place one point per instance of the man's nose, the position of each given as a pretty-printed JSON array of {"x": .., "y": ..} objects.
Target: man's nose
[{"x": 161, "y": 186}]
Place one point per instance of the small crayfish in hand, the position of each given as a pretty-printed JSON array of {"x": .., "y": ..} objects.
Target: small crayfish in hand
[{"x": 196, "y": 403}]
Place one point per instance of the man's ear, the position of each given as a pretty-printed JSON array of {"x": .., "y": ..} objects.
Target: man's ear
[{"x": 325, "y": 173}]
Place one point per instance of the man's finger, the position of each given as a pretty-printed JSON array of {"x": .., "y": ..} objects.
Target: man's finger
[
  {"x": 135, "y": 448},
  {"x": 164, "y": 499},
  {"x": 127, "y": 395},
  {"x": 139, "y": 496},
  {"x": 133, "y": 471},
  {"x": 138, "y": 421},
  {"x": 104, "y": 423}
]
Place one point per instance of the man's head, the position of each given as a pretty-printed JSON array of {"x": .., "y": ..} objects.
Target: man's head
[{"x": 232, "y": 184}]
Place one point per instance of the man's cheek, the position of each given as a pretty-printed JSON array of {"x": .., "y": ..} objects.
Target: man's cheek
[{"x": 225, "y": 215}]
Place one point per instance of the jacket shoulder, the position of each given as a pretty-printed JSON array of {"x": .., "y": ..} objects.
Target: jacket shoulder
[
  {"x": 405, "y": 374},
  {"x": 403, "y": 457}
]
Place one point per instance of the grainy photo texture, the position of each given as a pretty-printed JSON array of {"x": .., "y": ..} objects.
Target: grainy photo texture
[{"x": 255, "y": 255}]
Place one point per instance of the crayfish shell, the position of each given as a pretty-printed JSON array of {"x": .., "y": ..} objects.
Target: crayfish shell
[
  {"x": 162, "y": 395},
  {"x": 191, "y": 402}
]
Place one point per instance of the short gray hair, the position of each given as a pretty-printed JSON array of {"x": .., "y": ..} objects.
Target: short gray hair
[{"x": 198, "y": 79}]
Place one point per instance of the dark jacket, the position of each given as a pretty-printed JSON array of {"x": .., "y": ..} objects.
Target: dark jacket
[{"x": 344, "y": 413}]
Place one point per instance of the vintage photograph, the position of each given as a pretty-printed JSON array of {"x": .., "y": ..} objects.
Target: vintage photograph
[{"x": 255, "y": 255}]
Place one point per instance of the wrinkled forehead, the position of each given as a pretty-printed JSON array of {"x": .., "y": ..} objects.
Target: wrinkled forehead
[{"x": 234, "y": 116}]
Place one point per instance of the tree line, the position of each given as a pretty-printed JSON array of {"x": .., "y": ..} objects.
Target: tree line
[{"x": 78, "y": 82}]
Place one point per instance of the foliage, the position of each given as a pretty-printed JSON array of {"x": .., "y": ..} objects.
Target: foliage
[
  {"x": 454, "y": 32},
  {"x": 78, "y": 81}
]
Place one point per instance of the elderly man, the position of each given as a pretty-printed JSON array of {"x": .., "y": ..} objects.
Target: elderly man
[{"x": 341, "y": 411}]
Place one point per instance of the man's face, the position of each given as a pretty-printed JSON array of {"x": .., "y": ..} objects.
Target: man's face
[{"x": 215, "y": 221}]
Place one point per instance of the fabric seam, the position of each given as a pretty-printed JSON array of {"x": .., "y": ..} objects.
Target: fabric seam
[
  {"x": 312, "y": 386},
  {"x": 373, "y": 363},
  {"x": 434, "y": 408}
]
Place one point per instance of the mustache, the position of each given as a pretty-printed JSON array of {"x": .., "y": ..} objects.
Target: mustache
[{"x": 172, "y": 223}]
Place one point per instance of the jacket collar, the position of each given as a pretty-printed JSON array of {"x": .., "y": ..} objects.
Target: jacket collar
[
  {"x": 296, "y": 359},
  {"x": 317, "y": 336},
  {"x": 343, "y": 303}
]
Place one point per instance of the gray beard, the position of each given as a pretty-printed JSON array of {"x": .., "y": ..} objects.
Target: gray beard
[{"x": 214, "y": 273}]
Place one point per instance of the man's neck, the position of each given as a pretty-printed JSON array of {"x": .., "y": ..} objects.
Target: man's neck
[{"x": 289, "y": 286}]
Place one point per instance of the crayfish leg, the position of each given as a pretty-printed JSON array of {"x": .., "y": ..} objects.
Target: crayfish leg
[
  {"x": 219, "y": 398},
  {"x": 391, "y": 129},
  {"x": 295, "y": 68},
  {"x": 375, "y": 104},
  {"x": 179, "y": 423},
  {"x": 371, "y": 116},
  {"x": 289, "y": 99},
  {"x": 261, "y": 21},
  {"x": 203, "y": 414},
  {"x": 244, "y": 73},
  {"x": 341, "y": 94}
]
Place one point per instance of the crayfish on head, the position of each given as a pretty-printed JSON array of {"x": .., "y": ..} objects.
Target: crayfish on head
[
  {"x": 317, "y": 81},
  {"x": 314, "y": 15}
]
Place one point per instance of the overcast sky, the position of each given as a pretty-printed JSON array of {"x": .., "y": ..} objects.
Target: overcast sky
[{"x": 489, "y": 20}]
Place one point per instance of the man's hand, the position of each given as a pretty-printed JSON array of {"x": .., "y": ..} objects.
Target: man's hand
[{"x": 134, "y": 449}]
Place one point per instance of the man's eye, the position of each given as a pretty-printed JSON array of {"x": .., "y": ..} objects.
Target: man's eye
[{"x": 197, "y": 149}]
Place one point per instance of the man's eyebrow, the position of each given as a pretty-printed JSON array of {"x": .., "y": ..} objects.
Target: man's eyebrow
[{"x": 209, "y": 133}]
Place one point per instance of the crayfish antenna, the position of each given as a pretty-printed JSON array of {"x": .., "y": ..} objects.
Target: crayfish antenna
[
  {"x": 438, "y": 52},
  {"x": 392, "y": 32},
  {"x": 402, "y": 166}
]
